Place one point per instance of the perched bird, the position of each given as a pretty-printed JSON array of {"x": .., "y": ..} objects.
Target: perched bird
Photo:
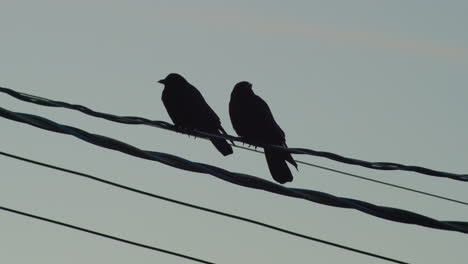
[
  {"x": 252, "y": 119},
  {"x": 188, "y": 110}
]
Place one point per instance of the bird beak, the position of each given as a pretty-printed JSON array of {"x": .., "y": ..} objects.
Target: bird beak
[{"x": 162, "y": 81}]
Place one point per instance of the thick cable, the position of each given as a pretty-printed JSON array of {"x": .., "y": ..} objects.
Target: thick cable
[
  {"x": 164, "y": 125},
  {"x": 393, "y": 214}
]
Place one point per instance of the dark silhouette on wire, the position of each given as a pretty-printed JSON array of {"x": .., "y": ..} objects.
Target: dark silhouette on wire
[
  {"x": 103, "y": 235},
  {"x": 133, "y": 120},
  {"x": 252, "y": 119},
  {"x": 393, "y": 214},
  {"x": 188, "y": 110},
  {"x": 244, "y": 219}
]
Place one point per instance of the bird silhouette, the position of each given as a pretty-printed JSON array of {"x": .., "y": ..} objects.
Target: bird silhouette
[
  {"x": 252, "y": 119},
  {"x": 188, "y": 110}
]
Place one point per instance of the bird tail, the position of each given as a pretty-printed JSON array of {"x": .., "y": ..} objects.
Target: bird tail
[
  {"x": 222, "y": 146},
  {"x": 276, "y": 161},
  {"x": 290, "y": 159}
]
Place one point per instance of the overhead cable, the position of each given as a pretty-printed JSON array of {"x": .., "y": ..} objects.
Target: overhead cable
[
  {"x": 393, "y": 214},
  {"x": 164, "y": 125}
]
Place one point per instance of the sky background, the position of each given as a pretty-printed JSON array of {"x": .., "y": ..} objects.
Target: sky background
[{"x": 374, "y": 80}]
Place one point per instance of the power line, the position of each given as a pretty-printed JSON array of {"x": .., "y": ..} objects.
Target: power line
[
  {"x": 104, "y": 235},
  {"x": 367, "y": 179},
  {"x": 164, "y": 125},
  {"x": 245, "y": 180},
  {"x": 244, "y": 219}
]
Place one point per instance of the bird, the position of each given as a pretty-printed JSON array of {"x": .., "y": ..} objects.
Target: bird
[
  {"x": 252, "y": 120},
  {"x": 188, "y": 110}
]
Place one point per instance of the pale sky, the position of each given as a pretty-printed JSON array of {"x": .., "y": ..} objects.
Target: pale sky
[{"x": 373, "y": 80}]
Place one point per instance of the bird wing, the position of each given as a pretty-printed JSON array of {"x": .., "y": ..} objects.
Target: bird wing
[
  {"x": 266, "y": 124},
  {"x": 202, "y": 113},
  {"x": 177, "y": 111}
]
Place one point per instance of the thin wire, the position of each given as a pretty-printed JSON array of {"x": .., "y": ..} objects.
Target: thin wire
[
  {"x": 104, "y": 235},
  {"x": 367, "y": 179},
  {"x": 244, "y": 219}
]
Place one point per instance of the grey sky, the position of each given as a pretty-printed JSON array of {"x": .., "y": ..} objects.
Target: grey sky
[{"x": 377, "y": 80}]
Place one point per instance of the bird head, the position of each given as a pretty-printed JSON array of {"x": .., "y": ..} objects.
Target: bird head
[
  {"x": 242, "y": 88},
  {"x": 173, "y": 79}
]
